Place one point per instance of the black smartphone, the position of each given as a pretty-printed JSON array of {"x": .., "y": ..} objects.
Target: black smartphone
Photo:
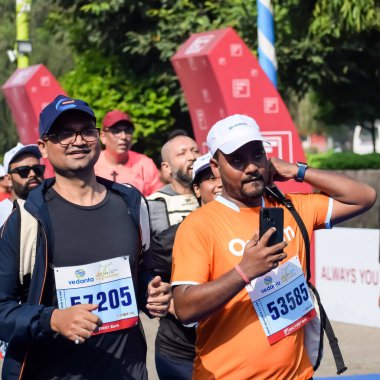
[{"x": 272, "y": 217}]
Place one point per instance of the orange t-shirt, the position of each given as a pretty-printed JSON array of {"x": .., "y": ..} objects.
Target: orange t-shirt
[
  {"x": 140, "y": 171},
  {"x": 231, "y": 343}
]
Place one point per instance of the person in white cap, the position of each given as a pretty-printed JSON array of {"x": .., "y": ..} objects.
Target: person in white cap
[
  {"x": 24, "y": 173},
  {"x": 217, "y": 254},
  {"x": 206, "y": 185},
  {"x": 5, "y": 189}
]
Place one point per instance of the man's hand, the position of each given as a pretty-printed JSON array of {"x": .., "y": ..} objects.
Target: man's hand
[
  {"x": 159, "y": 297},
  {"x": 76, "y": 322},
  {"x": 258, "y": 258},
  {"x": 280, "y": 170}
]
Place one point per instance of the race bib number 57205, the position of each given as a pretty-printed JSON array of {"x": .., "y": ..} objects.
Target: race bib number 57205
[{"x": 105, "y": 283}]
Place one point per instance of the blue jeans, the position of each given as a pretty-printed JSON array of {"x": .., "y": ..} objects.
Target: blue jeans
[{"x": 172, "y": 368}]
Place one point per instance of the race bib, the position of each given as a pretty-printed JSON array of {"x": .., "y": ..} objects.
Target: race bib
[
  {"x": 107, "y": 283},
  {"x": 282, "y": 300}
]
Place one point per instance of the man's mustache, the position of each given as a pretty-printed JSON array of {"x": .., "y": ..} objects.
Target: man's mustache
[
  {"x": 34, "y": 179},
  {"x": 251, "y": 178}
]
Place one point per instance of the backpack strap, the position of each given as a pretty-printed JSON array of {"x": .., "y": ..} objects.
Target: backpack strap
[
  {"x": 274, "y": 192},
  {"x": 28, "y": 241}
]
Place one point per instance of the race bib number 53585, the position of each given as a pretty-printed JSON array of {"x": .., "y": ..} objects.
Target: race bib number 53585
[
  {"x": 105, "y": 283},
  {"x": 282, "y": 300}
]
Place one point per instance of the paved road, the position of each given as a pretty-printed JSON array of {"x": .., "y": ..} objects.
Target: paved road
[{"x": 360, "y": 347}]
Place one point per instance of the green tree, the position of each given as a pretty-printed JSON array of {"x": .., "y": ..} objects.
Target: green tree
[
  {"x": 8, "y": 136},
  {"x": 122, "y": 51},
  {"x": 315, "y": 45},
  {"x": 50, "y": 49}
]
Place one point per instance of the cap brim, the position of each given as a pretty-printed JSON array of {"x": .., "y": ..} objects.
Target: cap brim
[
  {"x": 56, "y": 118},
  {"x": 129, "y": 122},
  {"x": 32, "y": 149},
  {"x": 200, "y": 169},
  {"x": 232, "y": 145}
]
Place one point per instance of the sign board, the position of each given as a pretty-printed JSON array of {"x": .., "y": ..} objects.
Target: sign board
[{"x": 347, "y": 274}]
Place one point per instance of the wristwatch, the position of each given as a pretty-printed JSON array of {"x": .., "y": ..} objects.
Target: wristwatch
[{"x": 302, "y": 167}]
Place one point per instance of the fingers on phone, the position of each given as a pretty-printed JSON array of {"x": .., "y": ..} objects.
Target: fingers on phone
[{"x": 266, "y": 236}]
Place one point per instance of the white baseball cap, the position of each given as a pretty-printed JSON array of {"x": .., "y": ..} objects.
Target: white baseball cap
[
  {"x": 17, "y": 151},
  {"x": 231, "y": 133},
  {"x": 201, "y": 163},
  {"x": 2, "y": 171}
]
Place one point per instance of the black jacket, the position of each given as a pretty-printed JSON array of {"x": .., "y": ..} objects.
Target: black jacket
[{"x": 23, "y": 319}]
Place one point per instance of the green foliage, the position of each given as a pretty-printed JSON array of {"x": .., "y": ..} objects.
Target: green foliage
[
  {"x": 344, "y": 161},
  {"x": 314, "y": 44},
  {"x": 49, "y": 49},
  {"x": 327, "y": 50},
  {"x": 52, "y": 50},
  {"x": 101, "y": 83},
  {"x": 335, "y": 17},
  {"x": 8, "y": 136}
]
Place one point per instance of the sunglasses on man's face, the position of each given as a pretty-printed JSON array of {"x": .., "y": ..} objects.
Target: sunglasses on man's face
[{"x": 23, "y": 171}]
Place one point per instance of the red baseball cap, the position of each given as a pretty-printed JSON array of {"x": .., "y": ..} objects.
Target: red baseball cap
[{"x": 114, "y": 117}]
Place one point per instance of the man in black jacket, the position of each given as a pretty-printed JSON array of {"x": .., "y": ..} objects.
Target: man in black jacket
[{"x": 76, "y": 315}]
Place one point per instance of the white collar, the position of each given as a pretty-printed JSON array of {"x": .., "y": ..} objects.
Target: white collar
[{"x": 232, "y": 205}]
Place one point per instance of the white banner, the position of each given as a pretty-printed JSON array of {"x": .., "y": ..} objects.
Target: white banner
[{"x": 347, "y": 274}]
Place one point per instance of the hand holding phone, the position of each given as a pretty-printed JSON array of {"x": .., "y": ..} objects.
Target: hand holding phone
[{"x": 259, "y": 256}]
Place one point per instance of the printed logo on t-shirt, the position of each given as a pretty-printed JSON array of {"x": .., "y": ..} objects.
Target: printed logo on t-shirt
[{"x": 236, "y": 246}]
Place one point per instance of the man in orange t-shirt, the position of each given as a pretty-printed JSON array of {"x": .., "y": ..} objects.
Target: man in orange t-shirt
[
  {"x": 218, "y": 259},
  {"x": 118, "y": 162}
]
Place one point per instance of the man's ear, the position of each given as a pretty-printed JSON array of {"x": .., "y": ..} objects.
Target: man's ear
[
  {"x": 42, "y": 147},
  {"x": 165, "y": 166},
  {"x": 214, "y": 167}
]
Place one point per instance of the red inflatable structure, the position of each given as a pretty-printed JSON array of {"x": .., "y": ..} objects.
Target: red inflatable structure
[
  {"x": 27, "y": 92},
  {"x": 220, "y": 77}
]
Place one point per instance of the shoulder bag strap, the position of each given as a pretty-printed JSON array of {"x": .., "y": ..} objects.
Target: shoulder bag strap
[{"x": 274, "y": 192}]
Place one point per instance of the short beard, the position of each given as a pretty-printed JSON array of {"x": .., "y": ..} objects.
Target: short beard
[
  {"x": 249, "y": 197},
  {"x": 255, "y": 193},
  {"x": 183, "y": 178},
  {"x": 22, "y": 192}
]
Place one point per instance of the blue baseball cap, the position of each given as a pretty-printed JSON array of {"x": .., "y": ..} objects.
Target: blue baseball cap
[{"x": 57, "y": 107}]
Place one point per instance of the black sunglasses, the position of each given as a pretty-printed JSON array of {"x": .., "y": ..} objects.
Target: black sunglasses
[{"x": 23, "y": 171}]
